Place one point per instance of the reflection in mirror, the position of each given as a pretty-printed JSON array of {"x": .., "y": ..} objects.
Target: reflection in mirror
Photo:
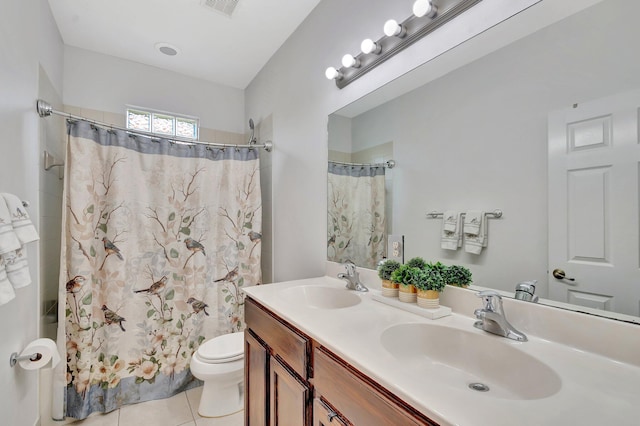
[
  {"x": 479, "y": 138},
  {"x": 359, "y": 190}
]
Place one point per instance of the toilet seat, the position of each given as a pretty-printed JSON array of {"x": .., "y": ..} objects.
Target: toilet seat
[{"x": 222, "y": 349}]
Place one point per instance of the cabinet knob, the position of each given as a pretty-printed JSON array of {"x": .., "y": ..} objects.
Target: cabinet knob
[{"x": 332, "y": 415}]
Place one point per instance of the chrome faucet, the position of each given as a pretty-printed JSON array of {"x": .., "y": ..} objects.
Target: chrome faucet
[
  {"x": 526, "y": 291},
  {"x": 352, "y": 277},
  {"x": 491, "y": 317}
]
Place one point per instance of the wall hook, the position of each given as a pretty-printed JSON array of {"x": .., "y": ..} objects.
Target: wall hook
[{"x": 50, "y": 161}]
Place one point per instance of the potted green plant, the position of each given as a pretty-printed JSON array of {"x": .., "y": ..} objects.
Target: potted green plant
[
  {"x": 385, "y": 269},
  {"x": 429, "y": 284},
  {"x": 417, "y": 262},
  {"x": 437, "y": 266},
  {"x": 404, "y": 276},
  {"x": 458, "y": 276}
]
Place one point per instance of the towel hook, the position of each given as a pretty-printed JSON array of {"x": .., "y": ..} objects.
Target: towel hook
[{"x": 50, "y": 161}]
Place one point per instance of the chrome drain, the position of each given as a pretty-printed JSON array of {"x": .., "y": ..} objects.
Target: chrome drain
[{"x": 480, "y": 387}]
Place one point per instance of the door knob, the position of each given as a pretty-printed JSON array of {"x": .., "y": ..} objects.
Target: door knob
[{"x": 559, "y": 274}]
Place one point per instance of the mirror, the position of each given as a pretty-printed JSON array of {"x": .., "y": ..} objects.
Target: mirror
[{"x": 476, "y": 139}]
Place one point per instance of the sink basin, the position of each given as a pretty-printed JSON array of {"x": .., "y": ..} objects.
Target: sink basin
[
  {"x": 321, "y": 297},
  {"x": 462, "y": 358}
]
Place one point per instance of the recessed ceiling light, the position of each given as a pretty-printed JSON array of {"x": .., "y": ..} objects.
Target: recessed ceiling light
[{"x": 167, "y": 49}]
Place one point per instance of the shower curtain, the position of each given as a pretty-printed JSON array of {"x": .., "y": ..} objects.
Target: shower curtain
[
  {"x": 356, "y": 214},
  {"x": 158, "y": 239}
]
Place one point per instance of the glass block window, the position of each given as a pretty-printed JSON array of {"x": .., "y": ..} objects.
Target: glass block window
[
  {"x": 139, "y": 120},
  {"x": 186, "y": 128},
  {"x": 162, "y": 123}
]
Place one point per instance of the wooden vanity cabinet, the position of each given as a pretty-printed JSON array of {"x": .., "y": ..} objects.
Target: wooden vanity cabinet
[
  {"x": 256, "y": 380},
  {"x": 324, "y": 415},
  {"x": 289, "y": 396},
  {"x": 277, "y": 370},
  {"x": 358, "y": 399},
  {"x": 286, "y": 383}
]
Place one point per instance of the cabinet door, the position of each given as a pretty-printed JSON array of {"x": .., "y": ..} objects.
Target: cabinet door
[
  {"x": 256, "y": 379},
  {"x": 290, "y": 345},
  {"x": 325, "y": 416},
  {"x": 289, "y": 397},
  {"x": 361, "y": 401}
]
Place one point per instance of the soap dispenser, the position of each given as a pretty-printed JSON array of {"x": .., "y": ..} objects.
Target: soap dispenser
[{"x": 525, "y": 290}]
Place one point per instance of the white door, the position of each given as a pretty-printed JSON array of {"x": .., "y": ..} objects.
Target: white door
[{"x": 594, "y": 159}]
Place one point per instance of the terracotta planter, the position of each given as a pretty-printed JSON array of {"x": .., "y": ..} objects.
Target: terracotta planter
[
  {"x": 429, "y": 299},
  {"x": 407, "y": 293},
  {"x": 389, "y": 288},
  {"x": 459, "y": 285}
]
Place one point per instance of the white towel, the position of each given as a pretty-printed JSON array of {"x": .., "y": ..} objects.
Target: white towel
[
  {"x": 472, "y": 222},
  {"x": 450, "y": 220},
  {"x": 20, "y": 221},
  {"x": 451, "y": 237},
  {"x": 17, "y": 268},
  {"x": 6, "y": 289},
  {"x": 8, "y": 239},
  {"x": 475, "y": 231}
]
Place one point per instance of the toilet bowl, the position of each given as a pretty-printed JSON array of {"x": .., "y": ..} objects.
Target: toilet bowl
[{"x": 219, "y": 363}]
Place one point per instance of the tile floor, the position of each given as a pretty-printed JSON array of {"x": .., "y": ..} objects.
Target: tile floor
[{"x": 179, "y": 410}]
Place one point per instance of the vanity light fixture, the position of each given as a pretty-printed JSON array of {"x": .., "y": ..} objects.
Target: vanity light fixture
[
  {"x": 333, "y": 74},
  {"x": 427, "y": 16},
  {"x": 349, "y": 61},
  {"x": 393, "y": 29},
  {"x": 369, "y": 46},
  {"x": 424, "y": 8}
]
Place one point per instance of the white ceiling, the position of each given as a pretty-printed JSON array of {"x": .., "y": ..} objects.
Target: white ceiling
[{"x": 212, "y": 46}]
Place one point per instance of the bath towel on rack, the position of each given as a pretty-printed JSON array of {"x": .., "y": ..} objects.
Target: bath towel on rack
[
  {"x": 17, "y": 267},
  {"x": 6, "y": 289},
  {"x": 475, "y": 231},
  {"x": 8, "y": 239},
  {"x": 451, "y": 237},
  {"x": 22, "y": 226},
  {"x": 17, "y": 232}
]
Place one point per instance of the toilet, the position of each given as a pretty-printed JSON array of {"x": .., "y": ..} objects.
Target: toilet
[{"x": 219, "y": 363}]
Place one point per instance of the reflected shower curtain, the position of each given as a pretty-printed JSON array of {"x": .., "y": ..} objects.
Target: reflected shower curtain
[
  {"x": 158, "y": 239},
  {"x": 356, "y": 214}
]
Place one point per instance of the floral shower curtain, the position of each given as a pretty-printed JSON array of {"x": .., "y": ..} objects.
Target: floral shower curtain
[
  {"x": 158, "y": 239},
  {"x": 356, "y": 214}
]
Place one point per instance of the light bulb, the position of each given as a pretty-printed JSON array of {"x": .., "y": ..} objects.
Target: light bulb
[
  {"x": 392, "y": 28},
  {"x": 424, "y": 8},
  {"x": 333, "y": 74},
  {"x": 349, "y": 61},
  {"x": 370, "y": 46}
]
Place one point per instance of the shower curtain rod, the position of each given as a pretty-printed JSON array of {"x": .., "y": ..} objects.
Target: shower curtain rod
[
  {"x": 387, "y": 164},
  {"x": 44, "y": 110}
]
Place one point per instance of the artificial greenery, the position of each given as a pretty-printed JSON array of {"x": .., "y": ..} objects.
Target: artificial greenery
[
  {"x": 457, "y": 275},
  {"x": 386, "y": 268},
  {"x": 405, "y": 274},
  {"x": 430, "y": 279},
  {"x": 435, "y": 280},
  {"x": 421, "y": 280},
  {"x": 417, "y": 262},
  {"x": 437, "y": 266}
]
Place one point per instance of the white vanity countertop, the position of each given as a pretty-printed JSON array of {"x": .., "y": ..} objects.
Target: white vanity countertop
[{"x": 594, "y": 390}]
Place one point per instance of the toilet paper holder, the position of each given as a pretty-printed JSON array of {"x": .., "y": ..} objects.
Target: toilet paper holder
[{"x": 13, "y": 360}]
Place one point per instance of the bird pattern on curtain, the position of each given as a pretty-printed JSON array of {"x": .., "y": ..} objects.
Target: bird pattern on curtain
[
  {"x": 158, "y": 240},
  {"x": 356, "y": 223}
]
